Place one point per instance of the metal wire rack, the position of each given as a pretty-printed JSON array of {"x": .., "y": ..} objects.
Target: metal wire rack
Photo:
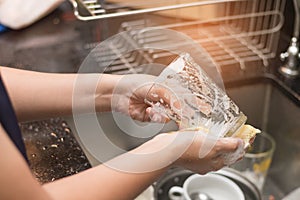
[
  {"x": 242, "y": 35},
  {"x": 100, "y": 9}
]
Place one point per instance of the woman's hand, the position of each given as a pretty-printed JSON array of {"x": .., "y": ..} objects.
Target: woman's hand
[
  {"x": 130, "y": 96},
  {"x": 200, "y": 153},
  {"x": 224, "y": 152}
]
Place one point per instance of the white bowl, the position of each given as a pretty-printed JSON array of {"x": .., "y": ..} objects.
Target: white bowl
[{"x": 216, "y": 186}]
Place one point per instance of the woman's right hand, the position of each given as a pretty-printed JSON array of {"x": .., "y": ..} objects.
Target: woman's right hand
[{"x": 201, "y": 154}]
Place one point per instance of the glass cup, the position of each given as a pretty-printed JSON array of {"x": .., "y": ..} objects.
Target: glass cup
[
  {"x": 257, "y": 160},
  {"x": 193, "y": 99}
]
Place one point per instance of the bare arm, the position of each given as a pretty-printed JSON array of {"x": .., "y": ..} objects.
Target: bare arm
[
  {"x": 16, "y": 180},
  {"x": 37, "y": 95},
  {"x": 104, "y": 182},
  {"x": 100, "y": 182}
]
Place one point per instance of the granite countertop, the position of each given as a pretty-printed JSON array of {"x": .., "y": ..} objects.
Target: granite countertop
[{"x": 52, "y": 150}]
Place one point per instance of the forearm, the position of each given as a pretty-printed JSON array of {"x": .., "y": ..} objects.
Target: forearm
[
  {"x": 17, "y": 182},
  {"x": 107, "y": 182},
  {"x": 38, "y": 95},
  {"x": 101, "y": 183}
]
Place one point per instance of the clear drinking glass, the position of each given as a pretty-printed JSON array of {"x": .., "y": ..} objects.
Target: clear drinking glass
[
  {"x": 194, "y": 100},
  {"x": 257, "y": 160}
]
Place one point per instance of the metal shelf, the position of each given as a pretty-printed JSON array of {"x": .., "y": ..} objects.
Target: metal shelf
[{"x": 100, "y": 9}]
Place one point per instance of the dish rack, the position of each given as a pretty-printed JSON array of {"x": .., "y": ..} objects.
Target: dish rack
[
  {"x": 242, "y": 35},
  {"x": 101, "y": 9}
]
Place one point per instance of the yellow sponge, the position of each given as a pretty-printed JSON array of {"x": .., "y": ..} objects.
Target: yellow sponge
[{"x": 246, "y": 133}]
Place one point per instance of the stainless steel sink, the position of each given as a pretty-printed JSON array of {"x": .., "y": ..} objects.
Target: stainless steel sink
[{"x": 268, "y": 106}]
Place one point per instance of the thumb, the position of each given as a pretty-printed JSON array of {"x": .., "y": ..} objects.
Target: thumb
[{"x": 230, "y": 144}]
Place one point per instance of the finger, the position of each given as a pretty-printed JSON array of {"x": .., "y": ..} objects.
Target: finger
[
  {"x": 228, "y": 145},
  {"x": 163, "y": 95},
  {"x": 159, "y": 93},
  {"x": 146, "y": 116},
  {"x": 218, "y": 163},
  {"x": 135, "y": 115},
  {"x": 230, "y": 157},
  {"x": 154, "y": 116}
]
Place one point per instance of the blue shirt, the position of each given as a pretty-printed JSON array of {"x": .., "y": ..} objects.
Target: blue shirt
[
  {"x": 9, "y": 121},
  {"x": 2, "y": 28}
]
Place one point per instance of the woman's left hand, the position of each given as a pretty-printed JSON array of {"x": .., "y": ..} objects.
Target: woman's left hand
[{"x": 130, "y": 96}]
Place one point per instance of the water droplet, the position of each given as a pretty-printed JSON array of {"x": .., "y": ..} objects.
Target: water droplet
[
  {"x": 53, "y": 134},
  {"x": 67, "y": 130},
  {"x": 161, "y": 100}
]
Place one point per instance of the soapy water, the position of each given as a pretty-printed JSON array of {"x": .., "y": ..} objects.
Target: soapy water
[{"x": 195, "y": 100}]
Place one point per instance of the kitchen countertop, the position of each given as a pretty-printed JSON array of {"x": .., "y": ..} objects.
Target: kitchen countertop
[{"x": 52, "y": 150}]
